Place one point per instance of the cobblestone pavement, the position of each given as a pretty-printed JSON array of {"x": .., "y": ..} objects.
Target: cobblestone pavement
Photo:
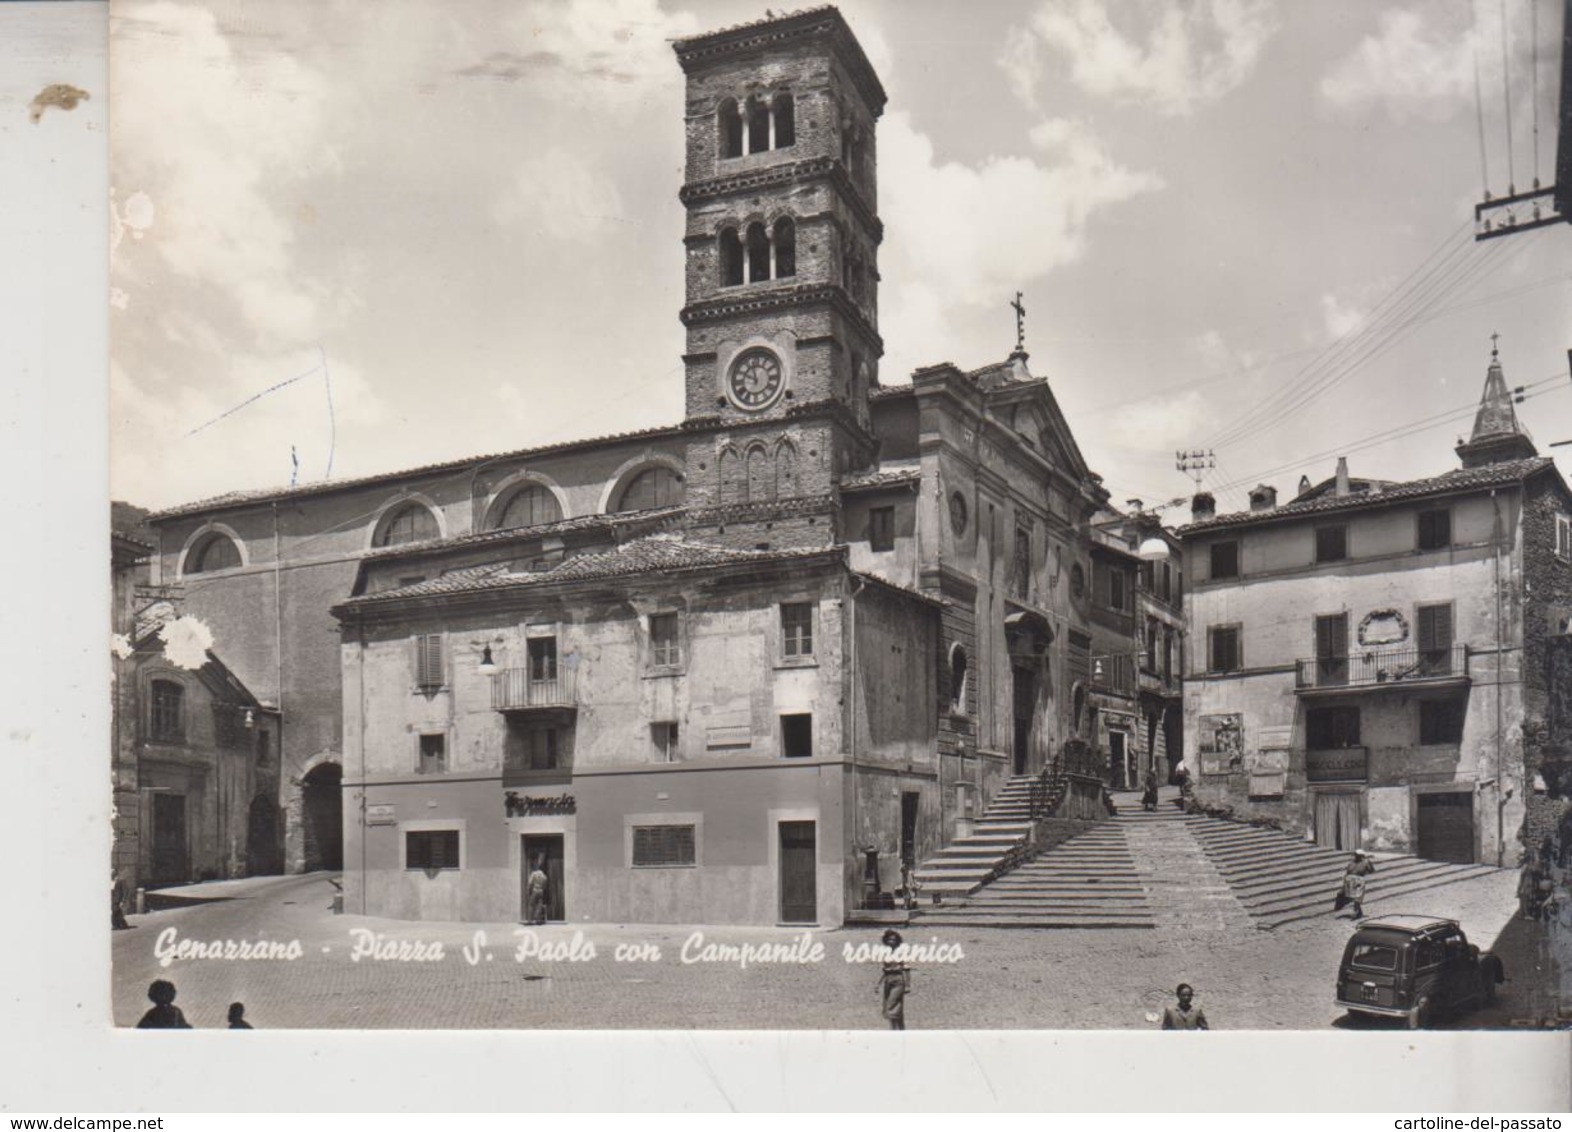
[{"x": 1031, "y": 979}]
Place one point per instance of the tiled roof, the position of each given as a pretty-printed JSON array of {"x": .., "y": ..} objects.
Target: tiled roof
[
  {"x": 885, "y": 392},
  {"x": 660, "y": 553},
  {"x": 239, "y": 498},
  {"x": 763, "y": 21},
  {"x": 891, "y": 475},
  {"x": 1460, "y": 479},
  {"x": 543, "y": 530}
]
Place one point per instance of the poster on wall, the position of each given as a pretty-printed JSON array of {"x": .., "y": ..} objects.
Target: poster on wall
[{"x": 1221, "y": 743}]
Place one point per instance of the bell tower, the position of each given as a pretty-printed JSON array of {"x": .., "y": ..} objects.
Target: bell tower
[{"x": 781, "y": 263}]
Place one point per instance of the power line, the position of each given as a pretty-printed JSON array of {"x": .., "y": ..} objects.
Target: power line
[
  {"x": 1479, "y": 100},
  {"x": 1506, "y": 92}
]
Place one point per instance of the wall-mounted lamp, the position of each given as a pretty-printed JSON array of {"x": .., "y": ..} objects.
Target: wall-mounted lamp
[
  {"x": 251, "y": 718},
  {"x": 1097, "y": 669},
  {"x": 488, "y": 667}
]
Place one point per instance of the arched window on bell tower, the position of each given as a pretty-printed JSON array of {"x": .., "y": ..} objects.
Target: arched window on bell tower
[
  {"x": 758, "y": 253},
  {"x": 758, "y": 125},
  {"x": 731, "y": 271},
  {"x": 785, "y": 248},
  {"x": 728, "y": 127},
  {"x": 785, "y": 121},
  {"x": 785, "y": 470},
  {"x": 760, "y": 482}
]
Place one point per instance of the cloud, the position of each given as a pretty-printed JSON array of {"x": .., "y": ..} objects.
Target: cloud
[
  {"x": 217, "y": 138},
  {"x": 559, "y": 196},
  {"x": 963, "y": 235},
  {"x": 1419, "y": 63},
  {"x": 1172, "y": 58},
  {"x": 606, "y": 51},
  {"x": 1340, "y": 317},
  {"x": 1161, "y": 424}
]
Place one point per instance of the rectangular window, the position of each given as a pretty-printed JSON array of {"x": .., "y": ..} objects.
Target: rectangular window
[
  {"x": 797, "y": 736},
  {"x": 433, "y": 754},
  {"x": 1225, "y": 560},
  {"x": 428, "y": 662},
  {"x": 664, "y": 738},
  {"x": 1564, "y": 537},
  {"x": 1168, "y": 655},
  {"x": 1152, "y": 630},
  {"x": 797, "y": 628},
  {"x": 1435, "y": 639},
  {"x": 663, "y": 639},
  {"x": 168, "y": 718},
  {"x": 1440, "y": 721},
  {"x": 1225, "y": 649},
  {"x": 431, "y": 849},
  {"x": 881, "y": 528},
  {"x": 1331, "y": 728},
  {"x": 1331, "y": 543},
  {"x": 542, "y": 659},
  {"x": 1331, "y": 649},
  {"x": 1116, "y": 588},
  {"x": 665, "y": 847},
  {"x": 1146, "y": 578},
  {"x": 543, "y": 749},
  {"x": 1435, "y": 529},
  {"x": 1168, "y": 584}
]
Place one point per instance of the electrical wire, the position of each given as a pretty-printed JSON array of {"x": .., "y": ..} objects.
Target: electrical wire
[
  {"x": 1479, "y": 99},
  {"x": 1506, "y": 92},
  {"x": 1533, "y": 17}
]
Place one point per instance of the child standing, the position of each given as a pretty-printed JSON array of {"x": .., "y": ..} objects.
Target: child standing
[{"x": 895, "y": 982}]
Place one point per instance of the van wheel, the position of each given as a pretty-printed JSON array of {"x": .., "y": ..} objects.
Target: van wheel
[{"x": 1420, "y": 1018}]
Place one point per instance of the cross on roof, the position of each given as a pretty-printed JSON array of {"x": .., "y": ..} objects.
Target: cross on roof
[
  {"x": 1493, "y": 337},
  {"x": 1020, "y": 321}
]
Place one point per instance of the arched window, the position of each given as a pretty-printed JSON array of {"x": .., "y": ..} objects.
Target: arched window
[
  {"x": 785, "y": 471},
  {"x": 785, "y": 248},
  {"x": 167, "y": 717},
  {"x": 730, "y": 258},
  {"x": 958, "y": 673},
  {"x": 412, "y": 522},
  {"x": 217, "y": 551},
  {"x": 758, "y": 253},
  {"x": 759, "y": 479},
  {"x": 530, "y": 507},
  {"x": 728, "y": 123},
  {"x": 785, "y": 121},
  {"x": 653, "y": 487},
  {"x": 758, "y": 126}
]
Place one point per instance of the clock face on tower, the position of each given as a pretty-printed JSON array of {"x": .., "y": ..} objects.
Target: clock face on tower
[{"x": 755, "y": 381}]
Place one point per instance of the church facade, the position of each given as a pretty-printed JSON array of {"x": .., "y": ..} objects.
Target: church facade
[{"x": 705, "y": 672}]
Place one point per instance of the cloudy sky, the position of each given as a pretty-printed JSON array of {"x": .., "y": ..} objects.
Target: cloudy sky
[{"x": 378, "y": 235}]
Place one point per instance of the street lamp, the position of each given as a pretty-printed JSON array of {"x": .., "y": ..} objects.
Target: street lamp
[
  {"x": 487, "y": 667},
  {"x": 1153, "y": 549}
]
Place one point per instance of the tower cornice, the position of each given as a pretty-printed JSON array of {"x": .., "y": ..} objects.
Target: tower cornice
[
  {"x": 777, "y": 298},
  {"x": 824, "y": 23},
  {"x": 795, "y": 172}
]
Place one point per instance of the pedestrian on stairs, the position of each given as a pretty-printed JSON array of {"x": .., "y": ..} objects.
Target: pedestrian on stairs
[
  {"x": 895, "y": 982},
  {"x": 1352, "y": 890},
  {"x": 1187, "y": 1015},
  {"x": 1149, "y": 794}
]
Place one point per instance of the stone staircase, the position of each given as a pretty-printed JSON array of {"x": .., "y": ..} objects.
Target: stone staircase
[
  {"x": 1282, "y": 879},
  {"x": 965, "y": 864},
  {"x": 1086, "y": 881}
]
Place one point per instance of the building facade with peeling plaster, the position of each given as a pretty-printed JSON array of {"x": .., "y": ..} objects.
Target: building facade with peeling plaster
[
  {"x": 1372, "y": 662},
  {"x": 701, "y": 671}
]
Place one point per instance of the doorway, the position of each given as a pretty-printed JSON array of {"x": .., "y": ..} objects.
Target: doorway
[
  {"x": 1337, "y": 821},
  {"x": 1023, "y": 701},
  {"x": 1446, "y": 826},
  {"x": 262, "y": 838},
  {"x": 799, "y": 868},
  {"x": 322, "y": 807},
  {"x": 910, "y": 800},
  {"x": 547, "y": 847},
  {"x": 170, "y": 865},
  {"x": 1119, "y": 759}
]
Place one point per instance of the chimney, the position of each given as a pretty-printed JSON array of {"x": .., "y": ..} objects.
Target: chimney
[
  {"x": 1203, "y": 506},
  {"x": 1304, "y": 486},
  {"x": 1263, "y": 497},
  {"x": 1342, "y": 476}
]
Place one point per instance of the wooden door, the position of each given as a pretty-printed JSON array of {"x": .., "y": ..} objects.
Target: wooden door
[
  {"x": 169, "y": 838},
  {"x": 1337, "y": 821},
  {"x": 799, "y": 866},
  {"x": 1446, "y": 826},
  {"x": 1023, "y": 700},
  {"x": 548, "y": 847}
]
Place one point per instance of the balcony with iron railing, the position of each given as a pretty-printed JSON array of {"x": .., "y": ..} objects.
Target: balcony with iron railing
[
  {"x": 528, "y": 689},
  {"x": 1379, "y": 670}
]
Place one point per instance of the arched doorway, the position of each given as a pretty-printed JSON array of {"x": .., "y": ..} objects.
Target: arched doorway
[
  {"x": 263, "y": 856},
  {"x": 322, "y": 811}
]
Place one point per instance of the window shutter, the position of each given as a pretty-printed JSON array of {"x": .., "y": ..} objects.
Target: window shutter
[
  {"x": 1435, "y": 628},
  {"x": 428, "y": 661}
]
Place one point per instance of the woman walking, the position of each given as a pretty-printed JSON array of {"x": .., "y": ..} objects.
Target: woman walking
[{"x": 895, "y": 982}]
